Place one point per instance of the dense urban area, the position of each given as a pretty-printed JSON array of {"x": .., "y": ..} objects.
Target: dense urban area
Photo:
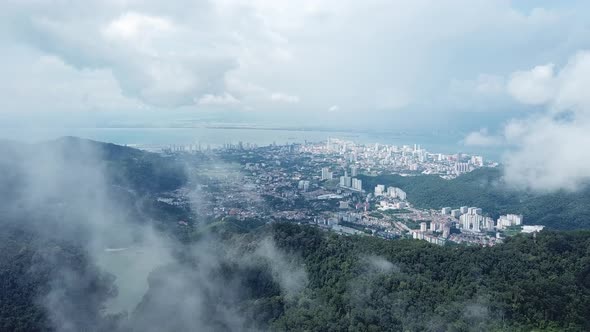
[{"x": 327, "y": 184}]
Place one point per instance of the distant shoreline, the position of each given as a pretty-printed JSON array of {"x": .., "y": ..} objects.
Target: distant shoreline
[{"x": 282, "y": 129}]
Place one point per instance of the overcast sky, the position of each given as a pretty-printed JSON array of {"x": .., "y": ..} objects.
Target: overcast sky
[{"x": 281, "y": 57}]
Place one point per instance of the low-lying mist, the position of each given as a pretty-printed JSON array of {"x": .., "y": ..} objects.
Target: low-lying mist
[{"x": 68, "y": 191}]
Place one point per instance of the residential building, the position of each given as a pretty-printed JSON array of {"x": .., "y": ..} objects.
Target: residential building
[
  {"x": 509, "y": 220},
  {"x": 326, "y": 174},
  {"x": 357, "y": 184},
  {"x": 379, "y": 189}
]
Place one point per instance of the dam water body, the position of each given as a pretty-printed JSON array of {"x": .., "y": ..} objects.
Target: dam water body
[{"x": 131, "y": 267}]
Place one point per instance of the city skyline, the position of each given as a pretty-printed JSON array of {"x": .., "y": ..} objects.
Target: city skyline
[{"x": 329, "y": 183}]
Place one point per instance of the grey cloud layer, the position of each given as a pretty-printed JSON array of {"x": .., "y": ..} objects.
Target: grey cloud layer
[{"x": 370, "y": 55}]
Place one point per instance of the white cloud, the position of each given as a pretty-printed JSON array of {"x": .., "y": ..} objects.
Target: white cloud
[
  {"x": 154, "y": 58},
  {"x": 131, "y": 26},
  {"x": 334, "y": 108},
  {"x": 564, "y": 91},
  {"x": 33, "y": 87},
  {"x": 549, "y": 150},
  {"x": 574, "y": 80},
  {"x": 224, "y": 99},
  {"x": 482, "y": 138},
  {"x": 550, "y": 155},
  {"x": 536, "y": 86}
]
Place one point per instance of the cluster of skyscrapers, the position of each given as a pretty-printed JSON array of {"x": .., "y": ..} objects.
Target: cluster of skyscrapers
[
  {"x": 472, "y": 220},
  {"x": 349, "y": 182},
  {"x": 392, "y": 192},
  {"x": 397, "y": 159}
]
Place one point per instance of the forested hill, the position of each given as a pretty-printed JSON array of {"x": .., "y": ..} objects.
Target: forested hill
[
  {"x": 56, "y": 198},
  {"x": 337, "y": 283},
  {"x": 359, "y": 283},
  {"x": 131, "y": 168},
  {"x": 231, "y": 276},
  {"x": 37, "y": 273},
  {"x": 484, "y": 188}
]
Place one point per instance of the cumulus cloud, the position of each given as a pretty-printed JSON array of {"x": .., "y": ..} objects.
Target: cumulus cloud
[
  {"x": 482, "y": 138},
  {"x": 549, "y": 154},
  {"x": 547, "y": 150},
  {"x": 156, "y": 59},
  {"x": 535, "y": 86},
  {"x": 573, "y": 80}
]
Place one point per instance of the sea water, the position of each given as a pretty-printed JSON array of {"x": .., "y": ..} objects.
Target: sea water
[{"x": 218, "y": 136}]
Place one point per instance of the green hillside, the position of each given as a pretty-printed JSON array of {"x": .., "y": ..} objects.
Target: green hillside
[{"x": 485, "y": 188}]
